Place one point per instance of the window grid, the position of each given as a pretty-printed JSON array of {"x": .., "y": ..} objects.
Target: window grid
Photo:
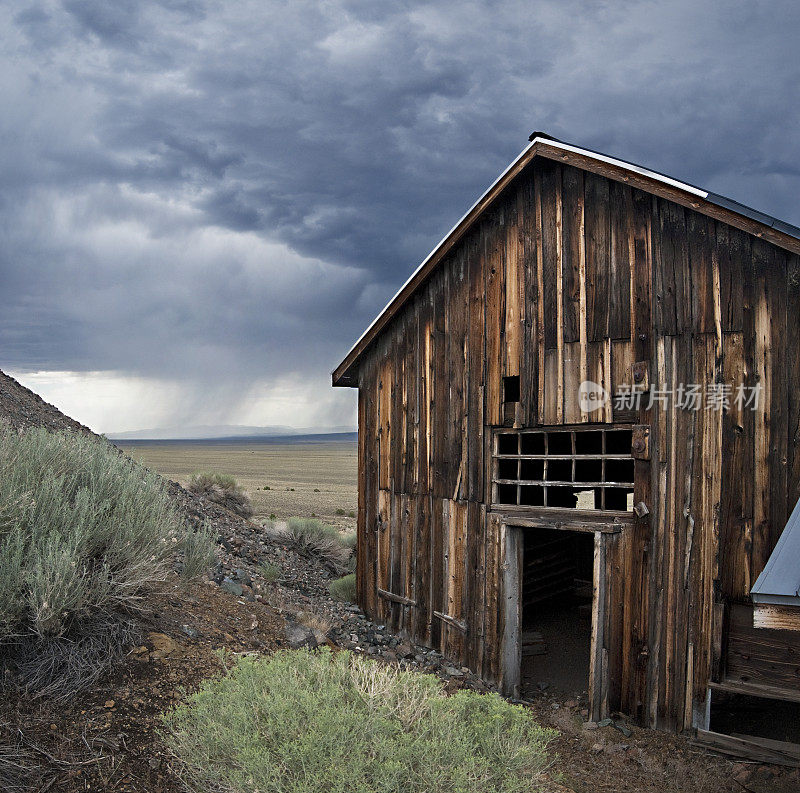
[{"x": 570, "y": 460}]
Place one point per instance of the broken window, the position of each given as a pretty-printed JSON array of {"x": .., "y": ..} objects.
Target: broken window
[{"x": 589, "y": 468}]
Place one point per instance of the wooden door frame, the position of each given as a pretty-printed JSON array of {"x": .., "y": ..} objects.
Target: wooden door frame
[{"x": 512, "y": 540}]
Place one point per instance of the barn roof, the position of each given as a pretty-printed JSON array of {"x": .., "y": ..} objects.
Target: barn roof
[
  {"x": 750, "y": 220},
  {"x": 779, "y": 581}
]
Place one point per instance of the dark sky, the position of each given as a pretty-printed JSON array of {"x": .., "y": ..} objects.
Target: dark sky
[{"x": 203, "y": 204}]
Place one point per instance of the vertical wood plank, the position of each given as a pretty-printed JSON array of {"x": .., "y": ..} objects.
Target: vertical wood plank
[
  {"x": 596, "y": 190},
  {"x": 572, "y": 246},
  {"x": 495, "y": 316},
  {"x": 619, "y": 287}
]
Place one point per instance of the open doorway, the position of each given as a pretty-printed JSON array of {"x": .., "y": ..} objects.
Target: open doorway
[{"x": 557, "y": 572}]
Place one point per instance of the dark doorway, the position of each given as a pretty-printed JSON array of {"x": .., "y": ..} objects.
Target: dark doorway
[{"x": 557, "y": 572}]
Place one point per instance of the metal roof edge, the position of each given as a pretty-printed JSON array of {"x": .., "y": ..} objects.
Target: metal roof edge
[
  {"x": 773, "y": 580},
  {"x": 777, "y": 600}
]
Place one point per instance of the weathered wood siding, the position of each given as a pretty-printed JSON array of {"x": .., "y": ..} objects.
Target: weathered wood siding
[{"x": 569, "y": 276}]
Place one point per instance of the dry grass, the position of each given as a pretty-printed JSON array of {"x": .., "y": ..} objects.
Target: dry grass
[{"x": 311, "y": 479}]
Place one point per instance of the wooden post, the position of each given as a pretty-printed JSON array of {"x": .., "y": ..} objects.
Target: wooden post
[
  {"x": 597, "y": 681},
  {"x": 512, "y": 543}
]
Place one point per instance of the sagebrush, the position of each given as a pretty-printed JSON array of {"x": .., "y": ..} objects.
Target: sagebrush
[
  {"x": 222, "y": 489},
  {"x": 304, "y": 721},
  {"x": 199, "y": 551},
  {"x": 344, "y": 588},
  {"x": 324, "y": 542},
  {"x": 85, "y": 535}
]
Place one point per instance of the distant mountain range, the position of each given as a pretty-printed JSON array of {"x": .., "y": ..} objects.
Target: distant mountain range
[{"x": 221, "y": 431}]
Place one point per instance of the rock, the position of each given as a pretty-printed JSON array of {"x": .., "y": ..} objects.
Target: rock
[
  {"x": 229, "y": 585},
  {"x": 589, "y": 726},
  {"x": 597, "y": 748},
  {"x": 191, "y": 632},
  {"x": 298, "y": 635},
  {"x": 163, "y": 646},
  {"x": 320, "y": 637},
  {"x": 241, "y": 575},
  {"x": 109, "y": 703}
]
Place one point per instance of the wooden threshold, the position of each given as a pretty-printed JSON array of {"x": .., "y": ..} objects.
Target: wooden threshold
[
  {"x": 757, "y": 690},
  {"x": 751, "y": 747}
]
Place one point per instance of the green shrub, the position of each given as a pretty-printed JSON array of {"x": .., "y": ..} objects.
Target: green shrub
[
  {"x": 85, "y": 534},
  {"x": 222, "y": 489},
  {"x": 199, "y": 551},
  {"x": 343, "y": 589},
  {"x": 324, "y": 542},
  {"x": 271, "y": 572},
  {"x": 305, "y": 721},
  {"x": 349, "y": 540},
  {"x": 339, "y": 511}
]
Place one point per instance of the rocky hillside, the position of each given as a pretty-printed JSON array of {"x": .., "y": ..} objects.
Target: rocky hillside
[{"x": 21, "y": 408}]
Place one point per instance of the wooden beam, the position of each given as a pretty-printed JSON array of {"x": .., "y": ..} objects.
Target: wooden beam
[
  {"x": 566, "y": 519},
  {"x": 396, "y": 598},
  {"x": 750, "y": 747},
  {"x": 462, "y": 626},
  {"x": 756, "y": 690},
  {"x": 771, "y": 615}
]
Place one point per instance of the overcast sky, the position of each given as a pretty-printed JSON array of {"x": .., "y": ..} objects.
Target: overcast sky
[{"x": 203, "y": 204}]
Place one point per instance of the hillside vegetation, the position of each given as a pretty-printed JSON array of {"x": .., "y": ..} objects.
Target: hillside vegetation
[{"x": 86, "y": 535}]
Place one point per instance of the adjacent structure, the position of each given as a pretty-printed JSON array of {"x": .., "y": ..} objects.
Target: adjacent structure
[{"x": 579, "y": 438}]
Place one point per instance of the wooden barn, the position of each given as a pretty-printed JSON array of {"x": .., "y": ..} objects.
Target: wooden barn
[{"x": 579, "y": 440}]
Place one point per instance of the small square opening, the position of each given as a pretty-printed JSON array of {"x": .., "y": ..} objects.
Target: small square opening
[
  {"x": 531, "y": 495},
  {"x": 588, "y": 470},
  {"x": 619, "y": 442},
  {"x": 511, "y": 389},
  {"x": 506, "y": 494},
  {"x": 619, "y": 470},
  {"x": 619, "y": 499},
  {"x": 506, "y": 469},
  {"x": 532, "y": 442},
  {"x": 532, "y": 469},
  {"x": 589, "y": 443},
  {"x": 507, "y": 443},
  {"x": 559, "y": 470},
  {"x": 559, "y": 443}
]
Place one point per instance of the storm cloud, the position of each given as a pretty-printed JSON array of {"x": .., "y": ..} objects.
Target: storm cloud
[{"x": 212, "y": 200}]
